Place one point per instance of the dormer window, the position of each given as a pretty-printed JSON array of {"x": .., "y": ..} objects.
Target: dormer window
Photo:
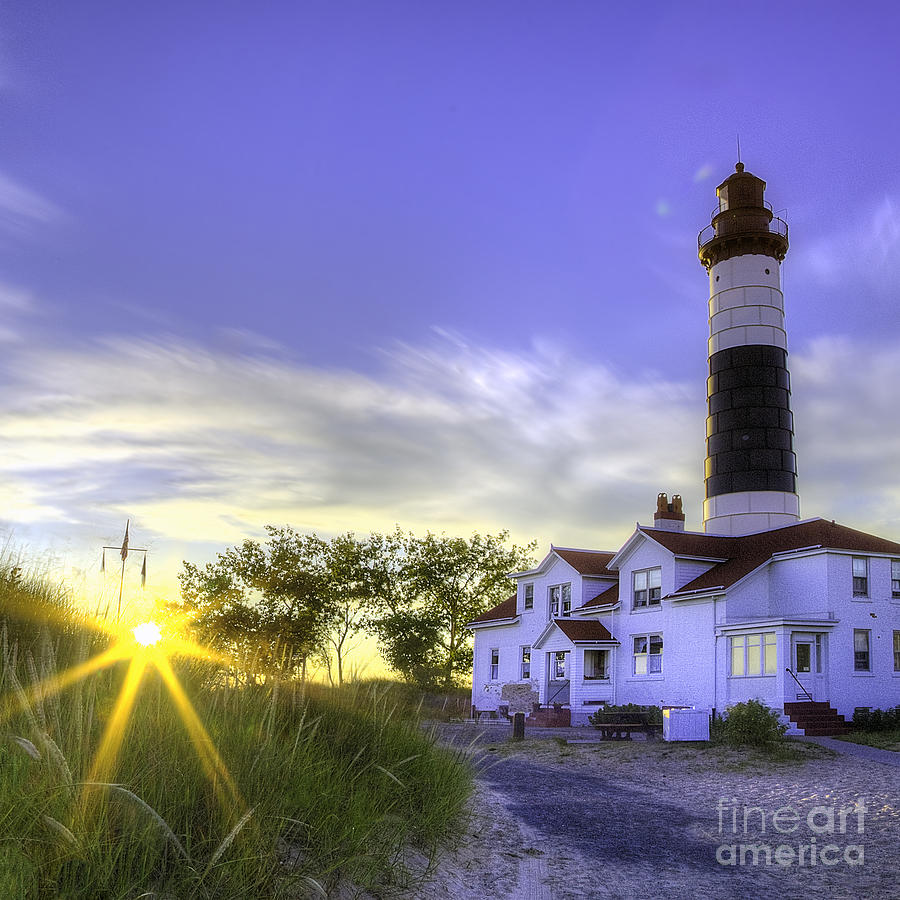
[
  {"x": 647, "y": 587},
  {"x": 560, "y": 600},
  {"x": 529, "y": 596}
]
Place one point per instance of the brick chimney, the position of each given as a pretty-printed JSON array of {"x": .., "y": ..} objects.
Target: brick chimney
[{"x": 668, "y": 516}]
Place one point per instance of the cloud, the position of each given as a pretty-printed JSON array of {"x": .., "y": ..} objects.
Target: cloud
[
  {"x": 864, "y": 253},
  {"x": 203, "y": 447},
  {"x": 848, "y": 434},
  {"x": 21, "y": 209}
]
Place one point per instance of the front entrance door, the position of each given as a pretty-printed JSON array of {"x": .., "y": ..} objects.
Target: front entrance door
[
  {"x": 558, "y": 678},
  {"x": 806, "y": 662}
]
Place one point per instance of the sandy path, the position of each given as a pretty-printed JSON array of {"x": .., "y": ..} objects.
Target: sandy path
[{"x": 562, "y": 822}]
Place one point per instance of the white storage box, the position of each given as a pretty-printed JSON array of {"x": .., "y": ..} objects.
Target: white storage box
[{"x": 685, "y": 724}]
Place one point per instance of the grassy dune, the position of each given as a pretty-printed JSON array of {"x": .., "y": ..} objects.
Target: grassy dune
[{"x": 293, "y": 790}]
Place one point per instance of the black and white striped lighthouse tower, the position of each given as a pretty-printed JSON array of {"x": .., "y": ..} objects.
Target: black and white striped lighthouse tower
[{"x": 751, "y": 480}]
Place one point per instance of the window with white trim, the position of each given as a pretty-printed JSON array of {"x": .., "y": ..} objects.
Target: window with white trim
[
  {"x": 753, "y": 654},
  {"x": 860, "y": 576},
  {"x": 895, "y": 577},
  {"x": 646, "y": 587},
  {"x": 559, "y": 665},
  {"x": 560, "y": 600},
  {"x": 525, "y": 669},
  {"x": 596, "y": 665},
  {"x": 529, "y": 596},
  {"x": 648, "y": 650},
  {"x": 897, "y": 651},
  {"x": 495, "y": 664},
  {"x": 862, "y": 661}
]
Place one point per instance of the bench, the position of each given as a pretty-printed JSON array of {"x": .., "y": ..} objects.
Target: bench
[{"x": 618, "y": 726}]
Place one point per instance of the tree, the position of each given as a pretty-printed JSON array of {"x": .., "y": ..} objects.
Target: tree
[
  {"x": 350, "y": 580},
  {"x": 429, "y": 588},
  {"x": 268, "y": 602}
]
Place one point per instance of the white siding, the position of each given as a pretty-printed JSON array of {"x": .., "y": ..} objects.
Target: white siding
[
  {"x": 592, "y": 586},
  {"x": 686, "y": 570},
  {"x": 816, "y": 586}
]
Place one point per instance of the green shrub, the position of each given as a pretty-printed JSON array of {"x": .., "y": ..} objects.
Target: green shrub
[
  {"x": 865, "y": 719},
  {"x": 752, "y": 724},
  {"x": 654, "y": 713}
]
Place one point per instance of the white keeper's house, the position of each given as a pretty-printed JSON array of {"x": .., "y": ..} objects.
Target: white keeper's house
[{"x": 801, "y": 614}]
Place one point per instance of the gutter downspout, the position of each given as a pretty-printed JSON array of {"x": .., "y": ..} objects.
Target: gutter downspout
[{"x": 715, "y": 654}]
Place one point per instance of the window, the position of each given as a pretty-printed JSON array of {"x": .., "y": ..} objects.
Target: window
[
  {"x": 753, "y": 654},
  {"x": 647, "y": 586},
  {"x": 897, "y": 651},
  {"x": 560, "y": 600},
  {"x": 596, "y": 665},
  {"x": 648, "y": 650},
  {"x": 803, "y": 652},
  {"x": 495, "y": 665},
  {"x": 860, "y": 576},
  {"x": 861, "y": 660},
  {"x": 895, "y": 577},
  {"x": 525, "y": 672},
  {"x": 559, "y": 665},
  {"x": 529, "y": 596}
]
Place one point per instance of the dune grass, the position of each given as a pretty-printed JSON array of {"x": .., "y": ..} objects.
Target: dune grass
[{"x": 295, "y": 790}]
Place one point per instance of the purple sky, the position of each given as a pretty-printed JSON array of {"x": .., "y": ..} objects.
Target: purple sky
[{"x": 349, "y": 264}]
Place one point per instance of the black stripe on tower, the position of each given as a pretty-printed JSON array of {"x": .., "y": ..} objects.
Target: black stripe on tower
[{"x": 749, "y": 429}]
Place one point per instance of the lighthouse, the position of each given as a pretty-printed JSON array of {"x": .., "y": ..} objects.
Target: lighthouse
[{"x": 751, "y": 471}]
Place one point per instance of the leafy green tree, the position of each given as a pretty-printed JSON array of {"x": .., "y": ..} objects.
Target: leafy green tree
[
  {"x": 353, "y": 571},
  {"x": 428, "y": 588},
  {"x": 268, "y": 602}
]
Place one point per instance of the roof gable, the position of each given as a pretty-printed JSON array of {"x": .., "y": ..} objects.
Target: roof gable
[
  {"x": 587, "y": 562},
  {"x": 584, "y": 562},
  {"x": 578, "y": 631}
]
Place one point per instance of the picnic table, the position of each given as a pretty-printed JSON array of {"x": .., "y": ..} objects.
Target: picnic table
[{"x": 618, "y": 726}]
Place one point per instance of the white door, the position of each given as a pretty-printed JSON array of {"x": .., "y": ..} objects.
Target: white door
[
  {"x": 558, "y": 680},
  {"x": 806, "y": 664}
]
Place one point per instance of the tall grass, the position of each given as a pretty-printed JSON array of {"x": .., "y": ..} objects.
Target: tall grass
[{"x": 326, "y": 785}]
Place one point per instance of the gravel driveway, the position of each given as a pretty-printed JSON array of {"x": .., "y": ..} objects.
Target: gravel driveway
[{"x": 648, "y": 820}]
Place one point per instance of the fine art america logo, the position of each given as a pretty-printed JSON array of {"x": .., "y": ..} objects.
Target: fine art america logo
[{"x": 790, "y": 836}]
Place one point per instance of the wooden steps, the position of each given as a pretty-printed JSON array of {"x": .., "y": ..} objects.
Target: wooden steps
[{"x": 816, "y": 718}]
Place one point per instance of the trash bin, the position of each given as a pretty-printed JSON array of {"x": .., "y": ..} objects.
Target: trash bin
[{"x": 685, "y": 724}]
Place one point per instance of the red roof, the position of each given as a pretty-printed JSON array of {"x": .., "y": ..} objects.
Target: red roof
[
  {"x": 744, "y": 554},
  {"x": 504, "y": 610},
  {"x": 609, "y": 597},
  {"x": 588, "y": 562},
  {"x": 583, "y": 630}
]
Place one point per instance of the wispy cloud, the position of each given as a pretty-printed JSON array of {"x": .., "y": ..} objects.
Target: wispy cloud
[
  {"x": 22, "y": 209},
  {"x": 864, "y": 252},
  {"x": 848, "y": 433},
  {"x": 208, "y": 446}
]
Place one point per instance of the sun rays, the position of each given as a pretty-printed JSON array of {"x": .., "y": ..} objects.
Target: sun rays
[{"x": 145, "y": 645}]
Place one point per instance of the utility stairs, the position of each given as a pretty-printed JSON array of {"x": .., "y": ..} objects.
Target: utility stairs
[{"x": 816, "y": 718}]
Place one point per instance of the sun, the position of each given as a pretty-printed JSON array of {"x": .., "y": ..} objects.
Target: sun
[{"x": 147, "y": 633}]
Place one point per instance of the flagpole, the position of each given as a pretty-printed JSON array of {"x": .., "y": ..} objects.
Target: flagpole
[
  {"x": 123, "y": 552},
  {"x": 121, "y": 585}
]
